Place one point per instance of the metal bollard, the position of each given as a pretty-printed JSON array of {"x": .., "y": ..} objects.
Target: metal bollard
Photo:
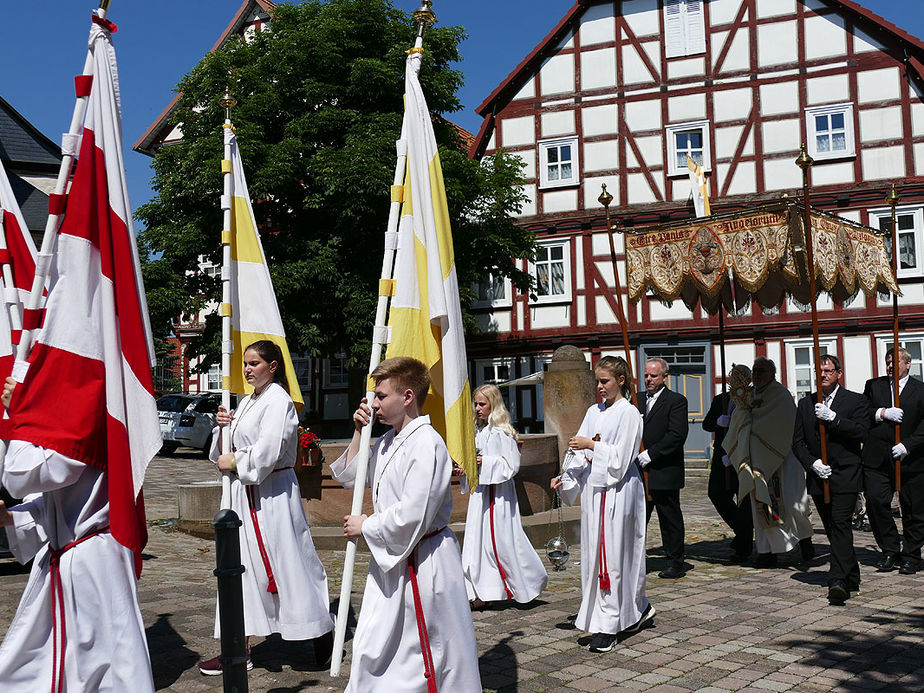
[{"x": 230, "y": 601}]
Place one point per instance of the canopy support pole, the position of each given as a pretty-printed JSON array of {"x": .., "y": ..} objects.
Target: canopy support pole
[{"x": 893, "y": 199}]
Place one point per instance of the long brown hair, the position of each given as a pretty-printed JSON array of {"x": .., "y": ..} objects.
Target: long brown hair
[
  {"x": 617, "y": 366},
  {"x": 269, "y": 352}
]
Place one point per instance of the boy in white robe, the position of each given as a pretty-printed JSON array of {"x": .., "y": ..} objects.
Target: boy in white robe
[
  {"x": 600, "y": 468},
  {"x": 398, "y": 647}
]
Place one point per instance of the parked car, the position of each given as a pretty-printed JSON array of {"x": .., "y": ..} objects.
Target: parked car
[{"x": 187, "y": 419}]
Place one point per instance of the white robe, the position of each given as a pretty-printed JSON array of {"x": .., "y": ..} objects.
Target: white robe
[
  {"x": 409, "y": 475},
  {"x": 264, "y": 434},
  {"x": 526, "y": 576},
  {"x": 106, "y": 649},
  {"x": 610, "y": 469}
]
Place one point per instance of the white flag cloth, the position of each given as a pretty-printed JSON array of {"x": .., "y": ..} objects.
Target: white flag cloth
[
  {"x": 88, "y": 392},
  {"x": 698, "y": 189}
]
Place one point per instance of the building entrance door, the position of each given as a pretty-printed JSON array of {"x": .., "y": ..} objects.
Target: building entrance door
[{"x": 690, "y": 375}]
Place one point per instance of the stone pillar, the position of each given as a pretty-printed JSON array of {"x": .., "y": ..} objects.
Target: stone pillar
[{"x": 568, "y": 389}]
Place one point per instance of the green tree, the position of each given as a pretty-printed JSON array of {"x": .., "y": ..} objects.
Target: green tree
[{"x": 320, "y": 100}]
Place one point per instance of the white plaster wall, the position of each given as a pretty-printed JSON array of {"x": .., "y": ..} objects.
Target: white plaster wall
[
  {"x": 781, "y": 174},
  {"x": 605, "y": 314},
  {"x": 748, "y": 148},
  {"x": 852, "y": 214},
  {"x": 518, "y": 131},
  {"x": 581, "y": 305},
  {"x": 528, "y": 91},
  {"x": 529, "y": 162},
  {"x": 775, "y": 354},
  {"x": 557, "y": 123},
  {"x": 592, "y": 191},
  {"x": 726, "y": 140},
  {"x": 878, "y": 85},
  {"x": 643, "y": 115},
  {"x": 779, "y": 98},
  {"x": 776, "y": 43},
  {"x": 781, "y": 135},
  {"x": 738, "y": 56},
  {"x": 634, "y": 70},
  {"x": 683, "y": 108},
  {"x": 775, "y": 8},
  {"x": 598, "y": 25},
  {"x": 835, "y": 172},
  {"x": 653, "y": 51},
  {"x": 598, "y": 120},
  {"x": 919, "y": 159},
  {"x": 825, "y": 36},
  {"x": 881, "y": 124},
  {"x": 659, "y": 312},
  {"x": 598, "y": 69},
  {"x": 559, "y": 201},
  {"x": 550, "y": 316},
  {"x": 600, "y": 243},
  {"x": 864, "y": 43},
  {"x": 557, "y": 75},
  {"x": 917, "y": 118},
  {"x": 651, "y": 151},
  {"x": 858, "y": 303},
  {"x": 724, "y": 11},
  {"x": 690, "y": 67},
  {"x": 578, "y": 274},
  {"x": 736, "y": 352},
  {"x": 857, "y": 362},
  {"x": 642, "y": 16},
  {"x": 495, "y": 321},
  {"x": 745, "y": 180},
  {"x": 731, "y": 104},
  {"x": 492, "y": 142},
  {"x": 606, "y": 270},
  {"x": 601, "y": 156},
  {"x": 830, "y": 89},
  {"x": 529, "y": 205},
  {"x": 638, "y": 191},
  {"x": 567, "y": 42},
  {"x": 883, "y": 163}
]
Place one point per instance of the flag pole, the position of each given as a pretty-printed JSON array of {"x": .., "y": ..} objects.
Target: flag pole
[
  {"x": 69, "y": 144},
  {"x": 424, "y": 17},
  {"x": 892, "y": 200},
  {"x": 8, "y": 283},
  {"x": 227, "y": 347}
]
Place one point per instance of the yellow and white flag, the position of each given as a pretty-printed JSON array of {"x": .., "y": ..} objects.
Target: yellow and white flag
[
  {"x": 698, "y": 188},
  {"x": 425, "y": 316},
  {"x": 254, "y": 311}
]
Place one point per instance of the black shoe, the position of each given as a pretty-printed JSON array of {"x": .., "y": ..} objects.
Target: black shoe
[
  {"x": 838, "y": 593},
  {"x": 644, "y": 622},
  {"x": 323, "y": 649},
  {"x": 908, "y": 566},
  {"x": 807, "y": 548},
  {"x": 765, "y": 560},
  {"x": 602, "y": 642},
  {"x": 887, "y": 562},
  {"x": 739, "y": 557},
  {"x": 672, "y": 572}
]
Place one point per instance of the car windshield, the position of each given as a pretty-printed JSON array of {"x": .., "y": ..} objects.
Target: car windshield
[{"x": 173, "y": 403}]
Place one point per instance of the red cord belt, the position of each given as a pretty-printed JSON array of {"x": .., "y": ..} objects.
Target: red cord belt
[
  {"x": 418, "y": 612},
  {"x": 500, "y": 568}
]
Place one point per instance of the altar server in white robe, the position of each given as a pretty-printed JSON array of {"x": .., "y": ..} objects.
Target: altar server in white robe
[
  {"x": 398, "y": 647},
  {"x": 284, "y": 582},
  {"x": 498, "y": 559},
  {"x": 63, "y": 525},
  {"x": 600, "y": 468}
]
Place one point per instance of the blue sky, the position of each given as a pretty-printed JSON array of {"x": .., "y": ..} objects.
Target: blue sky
[{"x": 161, "y": 40}]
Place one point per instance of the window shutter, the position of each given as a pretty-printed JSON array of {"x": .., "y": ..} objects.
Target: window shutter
[
  {"x": 696, "y": 28},
  {"x": 674, "y": 43}
]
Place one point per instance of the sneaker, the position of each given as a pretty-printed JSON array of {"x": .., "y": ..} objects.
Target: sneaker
[
  {"x": 212, "y": 667},
  {"x": 602, "y": 642},
  {"x": 837, "y": 593},
  {"x": 646, "y": 619}
]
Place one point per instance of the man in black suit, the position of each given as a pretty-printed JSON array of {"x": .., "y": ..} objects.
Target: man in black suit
[
  {"x": 663, "y": 436},
  {"x": 879, "y": 455},
  {"x": 845, "y": 415},
  {"x": 723, "y": 482}
]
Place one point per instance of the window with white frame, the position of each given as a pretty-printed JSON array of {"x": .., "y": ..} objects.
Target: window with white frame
[
  {"x": 558, "y": 163},
  {"x": 492, "y": 292},
  {"x": 493, "y": 371},
  {"x": 552, "y": 271},
  {"x": 910, "y": 241},
  {"x": 688, "y": 139},
  {"x": 914, "y": 345},
  {"x": 214, "y": 378},
  {"x": 800, "y": 360},
  {"x": 684, "y": 28},
  {"x": 830, "y": 131},
  {"x": 336, "y": 373},
  {"x": 302, "y": 365}
]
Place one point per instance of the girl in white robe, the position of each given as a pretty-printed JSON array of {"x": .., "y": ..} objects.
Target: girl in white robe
[
  {"x": 498, "y": 559},
  {"x": 106, "y": 649},
  {"x": 600, "y": 468},
  {"x": 264, "y": 489}
]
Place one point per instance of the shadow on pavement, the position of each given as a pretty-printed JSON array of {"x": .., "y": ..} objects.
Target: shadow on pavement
[
  {"x": 169, "y": 655},
  {"x": 498, "y": 666}
]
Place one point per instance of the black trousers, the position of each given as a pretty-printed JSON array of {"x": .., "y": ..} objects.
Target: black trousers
[
  {"x": 836, "y": 517},
  {"x": 670, "y": 519},
  {"x": 911, "y": 500},
  {"x": 879, "y": 487},
  {"x": 723, "y": 485}
]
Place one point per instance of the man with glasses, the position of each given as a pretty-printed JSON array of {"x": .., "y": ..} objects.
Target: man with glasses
[
  {"x": 879, "y": 454},
  {"x": 845, "y": 417}
]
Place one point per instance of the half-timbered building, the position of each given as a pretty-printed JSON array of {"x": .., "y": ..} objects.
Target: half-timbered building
[{"x": 621, "y": 92}]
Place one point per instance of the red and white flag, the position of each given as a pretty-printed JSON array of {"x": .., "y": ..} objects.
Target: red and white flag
[
  {"x": 88, "y": 393},
  {"x": 17, "y": 268}
]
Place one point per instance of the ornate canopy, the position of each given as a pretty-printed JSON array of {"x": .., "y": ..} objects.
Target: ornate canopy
[{"x": 756, "y": 254}]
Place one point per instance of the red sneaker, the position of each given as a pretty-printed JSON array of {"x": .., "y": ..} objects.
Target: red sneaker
[{"x": 212, "y": 667}]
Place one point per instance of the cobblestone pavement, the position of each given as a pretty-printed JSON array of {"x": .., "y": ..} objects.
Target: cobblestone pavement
[{"x": 723, "y": 627}]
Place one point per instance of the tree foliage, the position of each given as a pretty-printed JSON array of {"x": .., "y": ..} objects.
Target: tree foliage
[{"x": 320, "y": 100}]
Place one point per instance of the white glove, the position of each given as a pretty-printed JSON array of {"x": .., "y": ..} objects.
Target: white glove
[
  {"x": 899, "y": 452},
  {"x": 643, "y": 459},
  {"x": 726, "y": 461},
  {"x": 824, "y": 413},
  {"x": 821, "y": 469},
  {"x": 893, "y": 414},
  {"x": 723, "y": 420}
]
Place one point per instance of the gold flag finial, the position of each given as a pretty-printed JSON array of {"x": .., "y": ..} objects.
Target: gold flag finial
[
  {"x": 227, "y": 102},
  {"x": 804, "y": 161},
  {"x": 893, "y": 198},
  {"x": 605, "y": 198},
  {"x": 424, "y": 16}
]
